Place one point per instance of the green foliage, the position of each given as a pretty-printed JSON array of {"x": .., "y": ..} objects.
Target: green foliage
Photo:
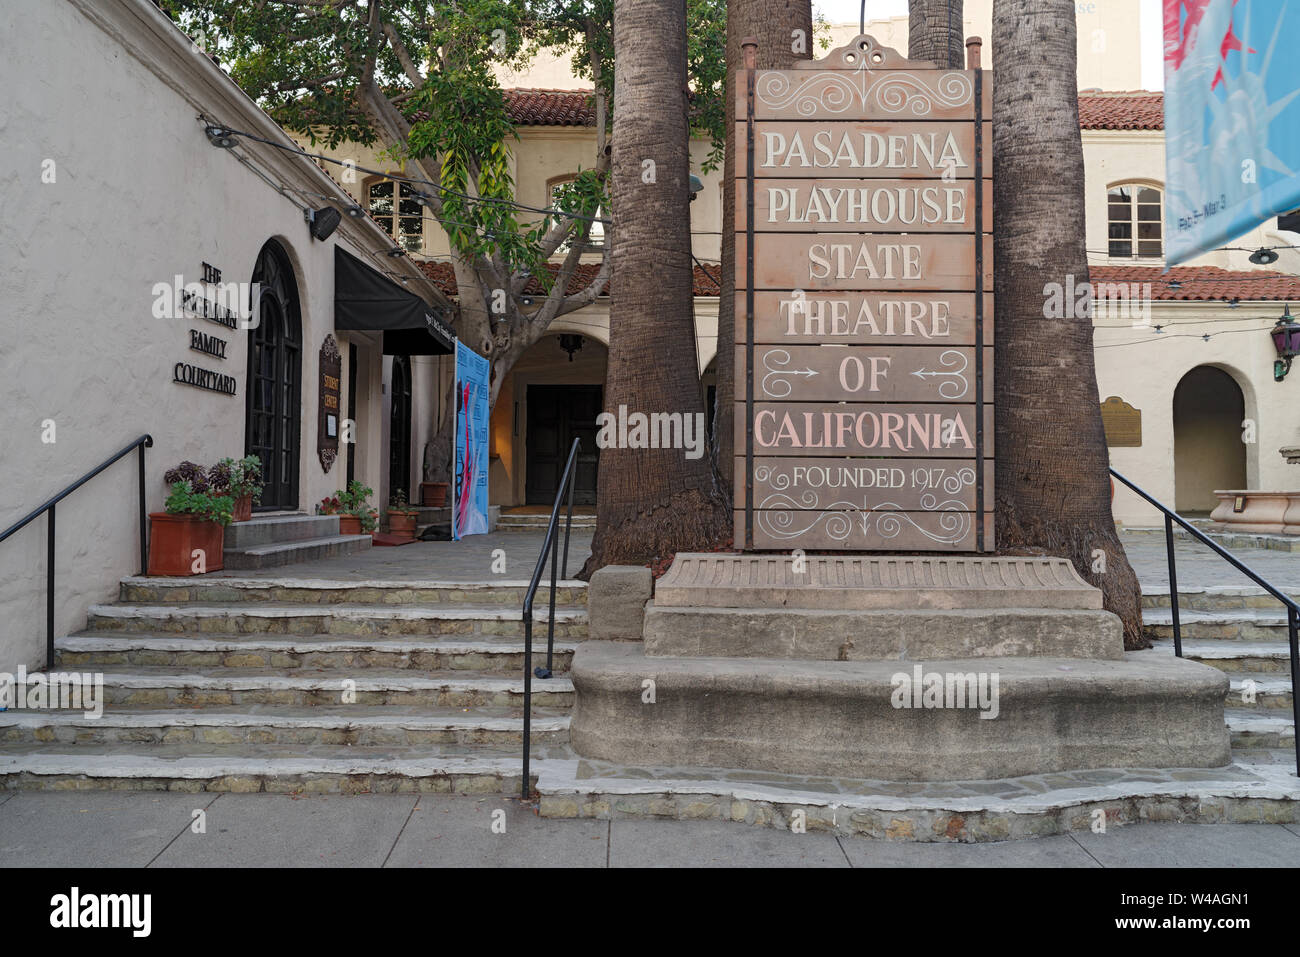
[
  {"x": 208, "y": 506},
  {"x": 353, "y": 501},
  {"x": 238, "y": 477}
]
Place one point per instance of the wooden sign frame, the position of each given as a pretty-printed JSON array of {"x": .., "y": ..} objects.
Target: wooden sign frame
[{"x": 888, "y": 88}]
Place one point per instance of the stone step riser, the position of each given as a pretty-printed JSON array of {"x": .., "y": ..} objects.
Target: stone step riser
[
  {"x": 1271, "y": 702},
  {"x": 1266, "y": 739},
  {"x": 1230, "y": 631},
  {"x": 1248, "y": 665},
  {"x": 382, "y": 737},
  {"x": 509, "y": 596},
  {"x": 494, "y": 663},
  {"x": 278, "y": 531},
  {"x": 1202, "y": 602},
  {"x": 182, "y": 697},
  {"x": 484, "y": 783},
  {"x": 325, "y": 624},
  {"x": 290, "y": 553}
]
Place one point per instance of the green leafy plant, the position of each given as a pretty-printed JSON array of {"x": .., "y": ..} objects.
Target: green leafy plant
[
  {"x": 205, "y": 505},
  {"x": 397, "y": 503},
  {"x": 238, "y": 477},
  {"x": 354, "y": 500}
]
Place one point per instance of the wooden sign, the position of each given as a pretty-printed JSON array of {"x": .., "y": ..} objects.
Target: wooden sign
[
  {"x": 864, "y": 276},
  {"x": 329, "y": 421}
]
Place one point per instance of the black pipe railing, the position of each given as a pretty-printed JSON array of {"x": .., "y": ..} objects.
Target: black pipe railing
[
  {"x": 1292, "y": 608},
  {"x": 142, "y": 443},
  {"x": 550, "y": 545}
]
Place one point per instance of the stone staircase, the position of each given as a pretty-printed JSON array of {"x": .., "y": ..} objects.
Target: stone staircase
[
  {"x": 528, "y": 521},
  {"x": 285, "y": 684},
  {"x": 274, "y": 540},
  {"x": 1241, "y": 630}
]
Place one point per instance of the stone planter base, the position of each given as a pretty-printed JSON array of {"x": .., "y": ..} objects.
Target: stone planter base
[{"x": 1267, "y": 513}]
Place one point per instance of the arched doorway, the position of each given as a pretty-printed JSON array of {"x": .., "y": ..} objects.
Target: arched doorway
[
  {"x": 399, "y": 429},
  {"x": 1208, "y": 451},
  {"x": 274, "y": 405}
]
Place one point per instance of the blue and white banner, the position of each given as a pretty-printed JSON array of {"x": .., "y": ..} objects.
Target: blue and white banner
[
  {"x": 469, "y": 514},
  {"x": 1232, "y": 119}
]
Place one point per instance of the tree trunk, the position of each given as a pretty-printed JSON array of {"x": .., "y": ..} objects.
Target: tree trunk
[
  {"x": 775, "y": 24},
  {"x": 651, "y": 502},
  {"x": 934, "y": 32},
  {"x": 1053, "y": 489}
]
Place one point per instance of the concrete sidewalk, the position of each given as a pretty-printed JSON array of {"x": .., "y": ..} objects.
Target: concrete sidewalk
[{"x": 151, "y": 829}]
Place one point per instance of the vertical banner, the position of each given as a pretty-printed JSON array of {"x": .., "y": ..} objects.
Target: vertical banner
[
  {"x": 1232, "y": 123},
  {"x": 864, "y": 305},
  {"x": 469, "y": 514}
]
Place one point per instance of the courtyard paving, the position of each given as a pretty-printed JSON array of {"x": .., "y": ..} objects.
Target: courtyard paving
[{"x": 145, "y": 829}]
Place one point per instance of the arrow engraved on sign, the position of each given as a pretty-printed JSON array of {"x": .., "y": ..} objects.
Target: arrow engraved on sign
[
  {"x": 956, "y": 385},
  {"x": 775, "y": 361}
]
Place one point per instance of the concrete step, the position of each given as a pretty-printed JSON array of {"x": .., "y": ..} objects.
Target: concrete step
[
  {"x": 158, "y": 687},
  {"x": 275, "y": 554},
  {"x": 276, "y": 768},
  {"x": 88, "y": 651},
  {"x": 1259, "y": 692},
  {"x": 1215, "y": 598},
  {"x": 292, "y": 618},
  {"x": 1266, "y": 657},
  {"x": 1253, "y": 729},
  {"x": 338, "y": 725},
  {"x": 1229, "y": 624},
  {"x": 533, "y": 522},
  {"x": 225, "y": 588},
  {"x": 278, "y": 529},
  {"x": 1231, "y": 540}
]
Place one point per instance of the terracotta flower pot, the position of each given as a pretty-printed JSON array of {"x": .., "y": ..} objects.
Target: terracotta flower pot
[
  {"x": 174, "y": 539},
  {"x": 434, "y": 494},
  {"x": 243, "y": 508},
  {"x": 402, "y": 524},
  {"x": 349, "y": 524}
]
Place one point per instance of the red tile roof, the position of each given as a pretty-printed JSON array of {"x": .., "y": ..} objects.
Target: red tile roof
[
  {"x": 551, "y": 107},
  {"x": 1204, "y": 283},
  {"x": 1130, "y": 110}
]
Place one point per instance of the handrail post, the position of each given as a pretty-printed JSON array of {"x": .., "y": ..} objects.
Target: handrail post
[
  {"x": 528, "y": 695},
  {"x": 49, "y": 593},
  {"x": 1173, "y": 586},
  {"x": 1292, "y": 624},
  {"x": 144, "y": 538}
]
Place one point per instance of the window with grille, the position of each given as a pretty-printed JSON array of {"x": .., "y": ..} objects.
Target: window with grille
[
  {"x": 1135, "y": 222},
  {"x": 403, "y": 221}
]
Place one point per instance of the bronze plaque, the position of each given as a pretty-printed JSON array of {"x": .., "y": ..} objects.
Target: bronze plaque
[
  {"x": 864, "y": 279},
  {"x": 329, "y": 423},
  {"x": 865, "y": 150},
  {"x": 854, "y": 205},
  {"x": 1122, "y": 422},
  {"x": 834, "y": 373},
  {"x": 876, "y": 318}
]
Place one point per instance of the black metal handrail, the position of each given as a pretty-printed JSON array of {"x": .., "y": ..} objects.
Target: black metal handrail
[
  {"x": 1292, "y": 608},
  {"x": 550, "y": 546},
  {"x": 142, "y": 443}
]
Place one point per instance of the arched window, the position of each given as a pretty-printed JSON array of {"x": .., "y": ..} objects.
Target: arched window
[
  {"x": 404, "y": 220},
  {"x": 1135, "y": 221}
]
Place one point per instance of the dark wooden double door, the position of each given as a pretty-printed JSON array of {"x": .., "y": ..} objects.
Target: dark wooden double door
[{"x": 558, "y": 414}]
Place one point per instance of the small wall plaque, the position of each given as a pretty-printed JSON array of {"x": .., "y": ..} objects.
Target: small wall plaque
[
  {"x": 327, "y": 431},
  {"x": 1122, "y": 422}
]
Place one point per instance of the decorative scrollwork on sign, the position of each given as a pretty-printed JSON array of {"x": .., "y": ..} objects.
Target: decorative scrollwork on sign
[
  {"x": 820, "y": 92},
  {"x": 954, "y": 522},
  {"x": 954, "y": 385},
  {"x": 908, "y": 93}
]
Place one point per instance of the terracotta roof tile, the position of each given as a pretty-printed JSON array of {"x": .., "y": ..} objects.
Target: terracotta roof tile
[
  {"x": 1130, "y": 110},
  {"x": 1205, "y": 283},
  {"x": 551, "y": 107}
]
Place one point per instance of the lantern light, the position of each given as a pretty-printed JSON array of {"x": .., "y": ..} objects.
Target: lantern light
[{"x": 1286, "y": 340}]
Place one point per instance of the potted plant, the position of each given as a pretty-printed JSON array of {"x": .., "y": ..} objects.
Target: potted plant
[
  {"x": 355, "y": 514},
  {"x": 242, "y": 480},
  {"x": 401, "y": 517},
  {"x": 189, "y": 537},
  {"x": 434, "y": 494}
]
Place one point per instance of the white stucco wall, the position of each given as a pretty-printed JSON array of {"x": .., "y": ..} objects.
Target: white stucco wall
[{"x": 138, "y": 197}]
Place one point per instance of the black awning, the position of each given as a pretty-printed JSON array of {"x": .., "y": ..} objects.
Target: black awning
[{"x": 364, "y": 299}]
